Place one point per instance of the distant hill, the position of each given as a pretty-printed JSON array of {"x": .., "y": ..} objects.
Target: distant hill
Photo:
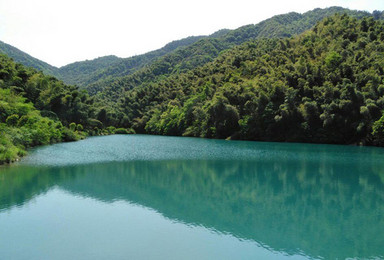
[
  {"x": 120, "y": 67},
  {"x": 78, "y": 72},
  {"x": 26, "y": 59}
]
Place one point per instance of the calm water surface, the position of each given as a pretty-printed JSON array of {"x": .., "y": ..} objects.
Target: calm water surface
[{"x": 152, "y": 197}]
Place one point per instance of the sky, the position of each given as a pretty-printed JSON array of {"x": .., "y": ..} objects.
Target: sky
[{"x": 64, "y": 31}]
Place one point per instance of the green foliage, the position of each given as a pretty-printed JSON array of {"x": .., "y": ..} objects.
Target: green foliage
[
  {"x": 25, "y": 127},
  {"x": 79, "y": 128},
  {"x": 72, "y": 126},
  {"x": 12, "y": 120},
  {"x": 52, "y": 97},
  {"x": 378, "y": 131},
  {"x": 110, "y": 130},
  {"x": 333, "y": 60},
  {"x": 123, "y": 131},
  {"x": 69, "y": 135}
]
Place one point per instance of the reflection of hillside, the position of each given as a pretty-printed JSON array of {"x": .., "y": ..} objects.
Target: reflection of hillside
[
  {"x": 20, "y": 184},
  {"x": 325, "y": 212},
  {"x": 319, "y": 207}
]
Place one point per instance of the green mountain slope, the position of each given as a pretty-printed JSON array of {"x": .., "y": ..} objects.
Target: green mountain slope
[
  {"x": 26, "y": 59},
  {"x": 78, "y": 72},
  {"x": 120, "y": 67},
  {"x": 205, "y": 50},
  {"x": 326, "y": 86}
]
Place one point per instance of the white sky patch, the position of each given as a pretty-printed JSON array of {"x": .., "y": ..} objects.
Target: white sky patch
[{"x": 61, "y": 32}]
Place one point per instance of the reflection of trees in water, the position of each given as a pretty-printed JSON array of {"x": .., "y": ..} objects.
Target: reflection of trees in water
[{"x": 323, "y": 208}]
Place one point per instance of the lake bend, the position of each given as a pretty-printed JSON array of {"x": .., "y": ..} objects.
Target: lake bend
[{"x": 156, "y": 197}]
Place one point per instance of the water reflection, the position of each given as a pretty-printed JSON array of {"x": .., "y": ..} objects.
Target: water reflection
[{"x": 323, "y": 206}]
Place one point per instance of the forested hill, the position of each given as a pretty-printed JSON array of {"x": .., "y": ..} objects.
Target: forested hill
[
  {"x": 84, "y": 73},
  {"x": 324, "y": 86},
  {"x": 78, "y": 72},
  {"x": 26, "y": 59},
  {"x": 207, "y": 49}
]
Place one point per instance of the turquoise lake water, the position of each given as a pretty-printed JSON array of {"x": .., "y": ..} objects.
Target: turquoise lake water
[{"x": 154, "y": 197}]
